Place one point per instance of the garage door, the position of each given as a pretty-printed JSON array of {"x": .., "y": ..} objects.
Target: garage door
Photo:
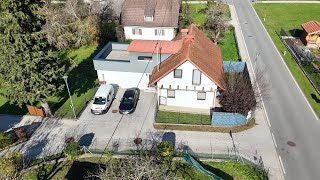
[{"x": 124, "y": 79}]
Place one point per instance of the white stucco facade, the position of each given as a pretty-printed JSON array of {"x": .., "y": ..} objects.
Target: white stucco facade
[
  {"x": 186, "y": 94},
  {"x": 125, "y": 79},
  {"x": 148, "y": 33}
]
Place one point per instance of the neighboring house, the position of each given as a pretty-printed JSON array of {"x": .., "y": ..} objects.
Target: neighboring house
[
  {"x": 150, "y": 19},
  {"x": 185, "y": 72},
  {"x": 311, "y": 34},
  {"x": 191, "y": 77}
]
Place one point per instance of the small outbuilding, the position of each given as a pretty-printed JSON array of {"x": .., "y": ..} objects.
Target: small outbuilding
[{"x": 311, "y": 34}]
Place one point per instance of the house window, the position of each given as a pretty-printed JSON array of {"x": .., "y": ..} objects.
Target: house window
[
  {"x": 148, "y": 18},
  {"x": 171, "y": 93},
  {"x": 201, "y": 96},
  {"x": 159, "y": 32},
  {"x": 136, "y": 31},
  {"x": 196, "y": 77},
  {"x": 177, "y": 73},
  {"x": 145, "y": 58}
]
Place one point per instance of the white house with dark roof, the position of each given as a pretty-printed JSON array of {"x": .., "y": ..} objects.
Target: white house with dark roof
[{"x": 150, "y": 19}]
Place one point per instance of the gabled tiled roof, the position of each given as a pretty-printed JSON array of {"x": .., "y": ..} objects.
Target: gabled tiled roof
[
  {"x": 150, "y": 46},
  {"x": 200, "y": 51},
  {"x": 165, "y": 13},
  {"x": 311, "y": 26}
]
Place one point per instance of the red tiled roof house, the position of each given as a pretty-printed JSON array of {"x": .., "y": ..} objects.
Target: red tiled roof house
[
  {"x": 150, "y": 19},
  {"x": 311, "y": 34},
  {"x": 190, "y": 77},
  {"x": 185, "y": 72}
]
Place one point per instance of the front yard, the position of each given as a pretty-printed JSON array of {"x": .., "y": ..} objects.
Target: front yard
[
  {"x": 291, "y": 16},
  {"x": 183, "y": 118}
]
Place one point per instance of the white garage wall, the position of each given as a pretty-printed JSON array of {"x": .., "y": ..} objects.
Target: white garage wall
[
  {"x": 148, "y": 33},
  {"x": 124, "y": 79},
  {"x": 188, "y": 99}
]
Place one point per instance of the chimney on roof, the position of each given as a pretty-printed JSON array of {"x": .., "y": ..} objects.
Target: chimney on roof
[{"x": 184, "y": 32}]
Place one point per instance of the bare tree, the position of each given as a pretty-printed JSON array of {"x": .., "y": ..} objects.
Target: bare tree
[
  {"x": 242, "y": 94},
  {"x": 216, "y": 20},
  {"x": 70, "y": 24}
]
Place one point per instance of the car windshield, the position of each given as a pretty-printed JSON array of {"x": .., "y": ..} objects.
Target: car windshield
[
  {"x": 99, "y": 100},
  {"x": 127, "y": 100}
]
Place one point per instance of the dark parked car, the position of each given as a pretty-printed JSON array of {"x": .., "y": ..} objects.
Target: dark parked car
[{"x": 129, "y": 101}]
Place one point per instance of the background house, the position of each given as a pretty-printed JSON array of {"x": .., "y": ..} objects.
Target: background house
[
  {"x": 311, "y": 34},
  {"x": 150, "y": 19},
  {"x": 191, "y": 77}
]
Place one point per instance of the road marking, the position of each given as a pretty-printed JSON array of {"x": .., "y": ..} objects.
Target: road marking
[
  {"x": 284, "y": 171},
  {"x": 274, "y": 140},
  {"x": 284, "y": 62}
]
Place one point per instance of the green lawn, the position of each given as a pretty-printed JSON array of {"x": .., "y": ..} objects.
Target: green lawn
[
  {"x": 182, "y": 118},
  {"x": 228, "y": 46},
  {"x": 84, "y": 166},
  {"x": 291, "y": 16},
  {"x": 198, "y": 13},
  {"x": 82, "y": 82}
]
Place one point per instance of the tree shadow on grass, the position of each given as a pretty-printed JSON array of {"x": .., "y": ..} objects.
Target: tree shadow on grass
[
  {"x": 216, "y": 171},
  {"x": 296, "y": 32},
  {"x": 8, "y": 108},
  {"x": 46, "y": 172},
  {"x": 82, "y": 170},
  {"x": 81, "y": 78},
  {"x": 315, "y": 97}
]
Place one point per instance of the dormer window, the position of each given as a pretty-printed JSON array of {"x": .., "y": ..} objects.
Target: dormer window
[{"x": 148, "y": 18}]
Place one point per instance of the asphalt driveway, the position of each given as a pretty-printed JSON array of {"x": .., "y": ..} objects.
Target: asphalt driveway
[{"x": 115, "y": 125}]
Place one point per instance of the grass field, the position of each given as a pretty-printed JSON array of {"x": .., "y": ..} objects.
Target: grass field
[
  {"x": 291, "y": 16},
  {"x": 182, "y": 118},
  {"x": 82, "y": 83},
  {"x": 83, "y": 167}
]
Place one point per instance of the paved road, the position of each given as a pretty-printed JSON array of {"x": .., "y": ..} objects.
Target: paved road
[{"x": 289, "y": 113}]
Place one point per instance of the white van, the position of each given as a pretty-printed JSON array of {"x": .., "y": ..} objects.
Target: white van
[{"x": 102, "y": 99}]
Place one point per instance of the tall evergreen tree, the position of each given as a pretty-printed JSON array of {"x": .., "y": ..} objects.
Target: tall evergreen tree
[{"x": 30, "y": 69}]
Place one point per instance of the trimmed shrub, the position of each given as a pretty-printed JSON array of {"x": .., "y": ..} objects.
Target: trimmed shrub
[
  {"x": 72, "y": 150},
  {"x": 5, "y": 140},
  {"x": 165, "y": 151}
]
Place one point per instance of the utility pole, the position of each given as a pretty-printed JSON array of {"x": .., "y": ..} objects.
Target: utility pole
[{"x": 72, "y": 107}]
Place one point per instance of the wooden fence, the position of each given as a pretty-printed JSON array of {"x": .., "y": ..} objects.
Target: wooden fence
[{"x": 33, "y": 110}]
